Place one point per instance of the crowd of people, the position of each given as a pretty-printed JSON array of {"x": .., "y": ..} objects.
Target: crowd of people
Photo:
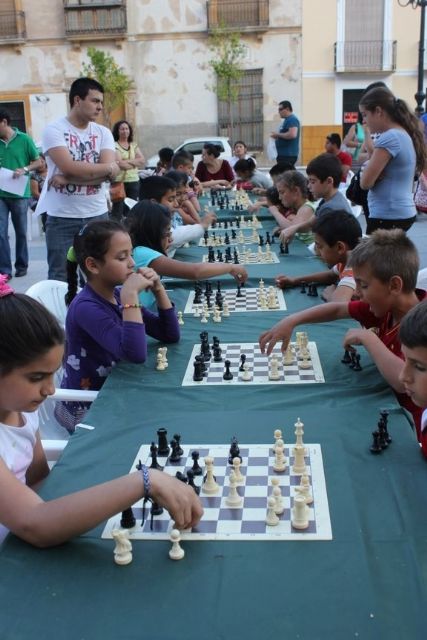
[{"x": 124, "y": 251}]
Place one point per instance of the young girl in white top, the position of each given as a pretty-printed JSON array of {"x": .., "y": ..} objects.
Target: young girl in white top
[{"x": 29, "y": 358}]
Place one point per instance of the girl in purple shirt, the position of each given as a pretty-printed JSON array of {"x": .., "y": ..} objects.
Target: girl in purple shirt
[{"x": 106, "y": 324}]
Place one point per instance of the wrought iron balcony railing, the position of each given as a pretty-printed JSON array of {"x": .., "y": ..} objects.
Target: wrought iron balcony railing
[
  {"x": 96, "y": 19},
  {"x": 12, "y": 27},
  {"x": 243, "y": 15},
  {"x": 365, "y": 56}
]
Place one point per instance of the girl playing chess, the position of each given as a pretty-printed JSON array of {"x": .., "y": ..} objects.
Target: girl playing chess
[
  {"x": 106, "y": 324},
  {"x": 150, "y": 229},
  {"x": 29, "y": 358}
]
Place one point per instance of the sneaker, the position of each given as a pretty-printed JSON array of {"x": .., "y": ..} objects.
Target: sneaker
[{"x": 20, "y": 273}]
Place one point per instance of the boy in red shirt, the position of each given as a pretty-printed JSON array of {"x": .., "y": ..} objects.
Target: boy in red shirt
[
  {"x": 413, "y": 336},
  {"x": 385, "y": 267}
]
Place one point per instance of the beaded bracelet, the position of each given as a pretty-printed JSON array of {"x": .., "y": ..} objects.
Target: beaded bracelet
[
  {"x": 146, "y": 480},
  {"x": 136, "y": 305}
]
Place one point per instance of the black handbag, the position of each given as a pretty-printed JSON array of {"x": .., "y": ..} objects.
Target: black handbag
[{"x": 355, "y": 193}]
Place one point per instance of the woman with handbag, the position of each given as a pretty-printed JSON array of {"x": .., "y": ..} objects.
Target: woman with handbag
[{"x": 130, "y": 159}]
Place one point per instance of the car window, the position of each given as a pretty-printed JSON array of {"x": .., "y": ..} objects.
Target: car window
[{"x": 196, "y": 147}]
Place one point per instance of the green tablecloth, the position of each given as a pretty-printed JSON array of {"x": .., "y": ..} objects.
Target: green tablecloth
[{"x": 368, "y": 582}]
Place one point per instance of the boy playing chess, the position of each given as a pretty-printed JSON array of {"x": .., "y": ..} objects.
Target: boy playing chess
[
  {"x": 336, "y": 233},
  {"x": 385, "y": 267},
  {"x": 413, "y": 336}
]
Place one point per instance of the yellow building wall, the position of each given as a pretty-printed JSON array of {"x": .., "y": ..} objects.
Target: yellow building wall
[{"x": 319, "y": 20}]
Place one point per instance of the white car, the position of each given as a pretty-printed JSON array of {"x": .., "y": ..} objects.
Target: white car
[{"x": 195, "y": 146}]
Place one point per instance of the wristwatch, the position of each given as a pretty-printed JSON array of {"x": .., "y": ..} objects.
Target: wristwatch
[{"x": 26, "y": 170}]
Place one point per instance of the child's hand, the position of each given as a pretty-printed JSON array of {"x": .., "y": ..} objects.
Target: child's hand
[
  {"x": 286, "y": 236},
  {"x": 207, "y": 219},
  {"x": 179, "y": 499},
  {"x": 356, "y": 336},
  {"x": 239, "y": 274},
  {"x": 284, "y": 281},
  {"x": 153, "y": 277},
  {"x": 133, "y": 284},
  {"x": 281, "y": 331}
]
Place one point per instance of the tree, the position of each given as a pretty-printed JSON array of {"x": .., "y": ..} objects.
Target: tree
[
  {"x": 226, "y": 64},
  {"x": 116, "y": 82}
]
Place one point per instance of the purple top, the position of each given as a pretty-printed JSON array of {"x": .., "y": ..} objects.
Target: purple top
[{"x": 97, "y": 338}]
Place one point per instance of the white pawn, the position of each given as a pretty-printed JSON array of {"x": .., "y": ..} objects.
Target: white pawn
[
  {"x": 196, "y": 311},
  {"x": 304, "y": 489},
  {"x": 246, "y": 375},
  {"x": 305, "y": 363},
  {"x": 237, "y": 473},
  {"x": 216, "y": 315},
  {"x": 272, "y": 519},
  {"x": 299, "y": 513},
  {"x": 204, "y": 318},
  {"x": 123, "y": 548},
  {"x": 299, "y": 467},
  {"x": 288, "y": 358},
  {"x": 273, "y": 370},
  {"x": 277, "y": 495},
  {"x": 233, "y": 499},
  {"x": 180, "y": 318},
  {"x": 210, "y": 485},
  {"x": 277, "y": 436},
  {"x": 176, "y": 552},
  {"x": 160, "y": 360},
  {"x": 279, "y": 458},
  {"x": 164, "y": 352},
  {"x": 225, "y": 309}
]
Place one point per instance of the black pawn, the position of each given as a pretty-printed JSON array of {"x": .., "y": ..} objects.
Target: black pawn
[
  {"x": 239, "y": 293},
  {"x": 303, "y": 287},
  {"x": 314, "y": 290},
  {"x": 178, "y": 439},
  {"x": 128, "y": 519},
  {"x": 242, "y": 362},
  {"x": 346, "y": 359},
  {"x": 382, "y": 439},
  {"x": 217, "y": 354},
  {"x": 190, "y": 477},
  {"x": 196, "y": 468},
  {"x": 357, "y": 365},
  {"x": 281, "y": 249},
  {"x": 181, "y": 477},
  {"x": 227, "y": 373},
  {"x": 234, "y": 450},
  {"x": 175, "y": 456},
  {"x": 153, "y": 453},
  {"x": 384, "y": 417},
  {"x": 353, "y": 360},
  {"x": 163, "y": 449},
  {"x": 375, "y": 446},
  {"x": 198, "y": 369}
]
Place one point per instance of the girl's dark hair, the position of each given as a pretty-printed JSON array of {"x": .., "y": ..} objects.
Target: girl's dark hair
[
  {"x": 212, "y": 149},
  {"x": 399, "y": 112},
  {"x": 292, "y": 179},
  {"x": 148, "y": 223},
  {"x": 93, "y": 240},
  {"x": 179, "y": 177},
  {"x": 245, "y": 165},
  {"x": 28, "y": 331},
  {"x": 115, "y": 130},
  {"x": 240, "y": 142},
  {"x": 272, "y": 196},
  {"x": 155, "y": 187}
]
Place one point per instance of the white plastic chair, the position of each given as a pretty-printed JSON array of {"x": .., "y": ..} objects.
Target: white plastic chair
[
  {"x": 51, "y": 294},
  {"x": 422, "y": 279}
]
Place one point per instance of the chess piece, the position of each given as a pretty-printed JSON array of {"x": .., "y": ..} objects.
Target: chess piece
[
  {"x": 128, "y": 519},
  {"x": 233, "y": 499},
  {"x": 180, "y": 318},
  {"x": 237, "y": 473},
  {"x": 177, "y": 437},
  {"x": 196, "y": 468},
  {"x": 277, "y": 495},
  {"x": 299, "y": 513},
  {"x": 163, "y": 449},
  {"x": 277, "y": 436},
  {"x": 247, "y": 374},
  {"x": 175, "y": 456},
  {"x": 160, "y": 361},
  {"x": 299, "y": 432},
  {"x": 225, "y": 311},
  {"x": 191, "y": 483},
  {"x": 346, "y": 359},
  {"x": 288, "y": 357},
  {"x": 209, "y": 485},
  {"x": 273, "y": 369},
  {"x": 123, "y": 547},
  {"x": 304, "y": 489},
  {"x": 164, "y": 352},
  {"x": 375, "y": 446},
  {"x": 227, "y": 373},
  {"x": 198, "y": 369},
  {"x": 279, "y": 457},
  {"x": 216, "y": 315},
  {"x": 205, "y": 316},
  {"x": 176, "y": 552},
  {"x": 299, "y": 467},
  {"x": 272, "y": 519},
  {"x": 153, "y": 453},
  {"x": 242, "y": 362}
]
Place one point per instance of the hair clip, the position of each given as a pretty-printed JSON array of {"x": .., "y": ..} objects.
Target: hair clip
[
  {"x": 82, "y": 230},
  {"x": 71, "y": 255},
  {"x": 5, "y": 288}
]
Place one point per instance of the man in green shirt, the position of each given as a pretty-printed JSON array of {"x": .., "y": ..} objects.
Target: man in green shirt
[{"x": 19, "y": 154}]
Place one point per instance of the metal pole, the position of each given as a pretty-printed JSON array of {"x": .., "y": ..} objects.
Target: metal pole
[{"x": 420, "y": 95}]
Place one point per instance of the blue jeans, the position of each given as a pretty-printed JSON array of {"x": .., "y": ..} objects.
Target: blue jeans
[
  {"x": 18, "y": 208},
  {"x": 60, "y": 234}
]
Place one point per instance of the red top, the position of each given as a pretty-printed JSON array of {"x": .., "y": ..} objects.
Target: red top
[
  {"x": 389, "y": 336},
  {"x": 225, "y": 172},
  {"x": 345, "y": 159}
]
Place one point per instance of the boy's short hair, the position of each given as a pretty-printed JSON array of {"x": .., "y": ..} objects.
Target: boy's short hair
[
  {"x": 81, "y": 88},
  {"x": 285, "y": 104},
  {"x": 334, "y": 138},
  {"x": 165, "y": 154},
  {"x": 413, "y": 327},
  {"x": 182, "y": 157},
  {"x": 5, "y": 115},
  {"x": 272, "y": 196},
  {"x": 338, "y": 226},
  {"x": 179, "y": 177},
  {"x": 155, "y": 187},
  {"x": 325, "y": 166},
  {"x": 388, "y": 253},
  {"x": 279, "y": 168}
]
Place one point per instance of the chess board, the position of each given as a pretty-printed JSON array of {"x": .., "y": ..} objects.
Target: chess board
[
  {"x": 221, "y": 522},
  {"x": 258, "y": 365},
  {"x": 246, "y": 257},
  {"x": 244, "y": 224},
  {"x": 216, "y": 239},
  {"x": 247, "y": 302}
]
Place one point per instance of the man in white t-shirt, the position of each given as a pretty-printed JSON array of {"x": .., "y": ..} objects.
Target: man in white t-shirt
[{"x": 80, "y": 157}]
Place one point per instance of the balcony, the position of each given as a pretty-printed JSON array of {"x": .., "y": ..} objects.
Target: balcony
[
  {"x": 242, "y": 16},
  {"x": 12, "y": 27},
  {"x": 99, "y": 20},
  {"x": 367, "y": 56}
]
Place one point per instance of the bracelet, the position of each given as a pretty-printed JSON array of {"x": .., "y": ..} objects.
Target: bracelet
[
  {"x": 136, "y": 305},
  {"x": 146, "y": 480}
]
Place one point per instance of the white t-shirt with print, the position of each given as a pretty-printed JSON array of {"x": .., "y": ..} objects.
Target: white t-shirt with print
[
  {"x": 84, "y": 145},
  {"x": 16, "y": 449}
]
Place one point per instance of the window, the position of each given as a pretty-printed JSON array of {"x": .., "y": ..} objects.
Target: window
[
  {"x": 247, "y": 112},
  {"x": 247, "y": 15}
]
